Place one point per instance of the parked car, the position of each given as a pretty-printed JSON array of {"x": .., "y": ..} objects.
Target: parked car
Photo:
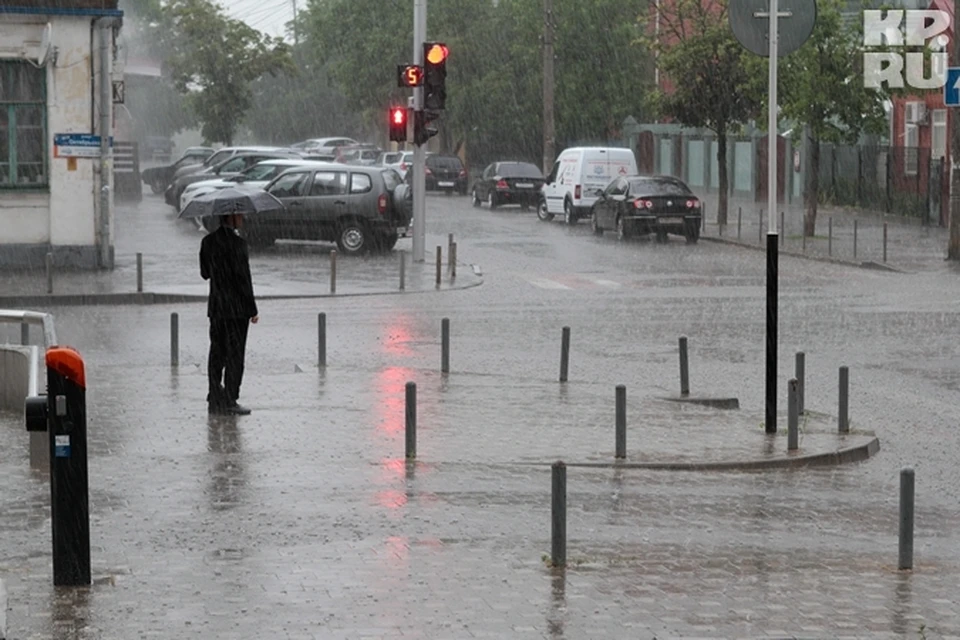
[
  {"x": 157, "y": 148},
  {"x": 352, "y": 205},
  {"x": 508, "y": 183},
  {"x": 577, "y": 175},
  {"x": 323, "y": 144},
  {"x": 160, "y": 177},
  {"x": 256, "y": 177},
  {"x": 233, "y": 166},
  {"x": 358, "y": 154},
  {"x": 399, "y": 161},
  {"x": 442, "y": 173},
  {"x": 640, "y": 205},
  {"x": 225, "y": 154}
]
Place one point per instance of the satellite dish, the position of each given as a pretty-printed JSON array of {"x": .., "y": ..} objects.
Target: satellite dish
[{"x": 48, "y": 53}]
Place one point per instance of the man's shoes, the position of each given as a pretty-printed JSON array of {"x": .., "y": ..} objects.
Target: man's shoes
[{"x": 237, "y": 410}]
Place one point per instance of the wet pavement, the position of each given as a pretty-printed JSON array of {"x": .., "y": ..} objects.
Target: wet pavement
[{"x": 302, "y": 520}]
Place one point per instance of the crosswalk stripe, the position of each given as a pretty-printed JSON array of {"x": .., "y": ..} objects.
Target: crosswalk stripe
[
  {"x": 544, "y": 283},
  {"x": 608, "y": 283}
]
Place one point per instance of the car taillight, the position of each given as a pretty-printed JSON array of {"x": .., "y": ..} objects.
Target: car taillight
[
  {"x": 502, "y": 184},
  {"x": 693, "y": 204},
  {"x": 463, "y": 172},
  {"x": 427, "y": 171},
  {"x": 403, "y": 166},
  {"x": 576, "y": 192},
  {"x": 642, "y": 204},
  {"x": 382, "y": 203}
]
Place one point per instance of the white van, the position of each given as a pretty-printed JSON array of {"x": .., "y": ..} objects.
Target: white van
[{"x": 577, "y": 175}]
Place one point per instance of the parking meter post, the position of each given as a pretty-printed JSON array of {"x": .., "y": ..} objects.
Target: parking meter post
[
  {"x": 449, "y": 251},
  {"x": 564, "y": 354},
  {"x": 321, "y": 340},
  {"x": 558, "y": 514},
  {"x": 445, "y": 345},
  {"x": 410, "y": 415},
  {"x": 684, "y": 369},
  {"x": 174, "y": 339},
  {"x": 403, "y": 270},
  {"x": 69, "y": 492},
  {"x": 621, "y": 421},
  {"x": 139, "y": 273},
  {"x": 439, "y": 264},
  {"x": 333, "y": 271},
  {"x": 793, "y": 416},
  {"x": 800, "y": 372},
  {"x": 843, "y": 421},
  {"x": 453, "y": 262}
]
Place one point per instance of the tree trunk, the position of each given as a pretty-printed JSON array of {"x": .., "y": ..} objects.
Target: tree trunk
[
  {"x": 811, "y": 194},
  {"x": 722, "y": 177}
]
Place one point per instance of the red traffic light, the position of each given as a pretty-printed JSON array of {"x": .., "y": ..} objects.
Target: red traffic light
[
  {"x": 437, "y": 53},
  {"x": 399, "y": 116}
]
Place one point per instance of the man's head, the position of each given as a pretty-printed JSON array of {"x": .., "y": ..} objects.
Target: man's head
[{"x": 233, "y": 221}]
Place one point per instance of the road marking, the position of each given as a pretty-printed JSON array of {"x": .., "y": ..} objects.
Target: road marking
[
  {"x": 608, "y": 283},
  {"x": 544, "y": 283}
]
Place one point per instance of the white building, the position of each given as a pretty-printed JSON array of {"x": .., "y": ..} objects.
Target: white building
[{"x": 52, "y": 198}]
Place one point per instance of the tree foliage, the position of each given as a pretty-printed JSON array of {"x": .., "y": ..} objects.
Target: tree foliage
[{"x": 710, "y": 72}]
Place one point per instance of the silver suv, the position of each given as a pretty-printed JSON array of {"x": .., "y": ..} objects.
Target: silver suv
[{"x": 357, "y": 207}]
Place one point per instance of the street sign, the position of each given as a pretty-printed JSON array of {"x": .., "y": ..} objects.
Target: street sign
[
  {"x": 951, "y": 90},
  {"x": 119, "y": 91},
  {"x": 749, "y": 20},
  {"x": 77, "y": 145}
]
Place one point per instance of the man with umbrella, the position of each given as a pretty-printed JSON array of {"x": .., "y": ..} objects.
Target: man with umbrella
[{"x": 224, "y": 261}]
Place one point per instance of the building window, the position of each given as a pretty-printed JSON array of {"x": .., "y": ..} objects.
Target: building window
[
  {"x": 911, "y": 137},
  {"x": 23, "y": 123},
  {"x": 938, "y": 133}
]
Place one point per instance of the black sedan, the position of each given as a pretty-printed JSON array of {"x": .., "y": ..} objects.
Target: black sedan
[
  {"x": 508, "y": 183},
  {"x": 160, "y": 177},
  {"x": 640, "y": 205}
]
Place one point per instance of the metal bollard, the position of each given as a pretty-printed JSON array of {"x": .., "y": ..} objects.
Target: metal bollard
[
  {"x": 684, "y": 369},
  {"x": 884, "y": 241},
  {"x": 854, "y": 239},
  {"x": 783, "y": 231},
  {"x": 439, "y": 265},
  {"x": 842, "y": 420},
  {"x": 445, "y": 345},
  {"x": 793, "y": 416},
  {"x": 449, "y": 251},
  {"x": 411, "y": 421},
  {"x": 800, "y": 371},
  {"x": 403, "y": 270},
  {"x": 907, "y": 486},
  {"x": 139, "y": 273},
  {"x": 321, "y": 339},
  {"x": 564, "y": 354},
  {"x": 558, "y": 515},
  {"x": 49, "y": 273},
  {"x": 739, "y": 221},
  {"x": 24, "y": 333},
  {"x": 453, "y": 261},
  {"x": 621, "y": 436},
  {"x": 333, "y": 271},
  {"x": 760, "y": 230},
  {"x": 830, "y": 236},
  {"x": 174, "y": 339}
]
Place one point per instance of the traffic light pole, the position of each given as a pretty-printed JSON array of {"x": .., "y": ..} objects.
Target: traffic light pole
[{"x": 419, "y": 153}]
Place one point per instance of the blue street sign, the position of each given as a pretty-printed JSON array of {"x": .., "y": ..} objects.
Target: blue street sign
[
  {"x": 951, "y": 90},
  {"x": 77, "y": 145}
]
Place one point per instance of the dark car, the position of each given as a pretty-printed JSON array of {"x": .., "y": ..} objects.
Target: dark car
[
  {"x": 508, "y": 183},
  {"x": 235, "y": 165},
  {"x": 640, "y": 205},
  {"x": 443, "y": 173},
  {"x": 357, "y": 207},
  {"x": 160, "y": 177}
]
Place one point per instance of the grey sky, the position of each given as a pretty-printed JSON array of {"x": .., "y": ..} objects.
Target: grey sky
[{"x": 268, "y": 16}]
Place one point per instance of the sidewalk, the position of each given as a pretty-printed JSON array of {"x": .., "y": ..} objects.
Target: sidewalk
[
  {"x": 842, "y": 235},
  {"x": 171, "y": 273}
]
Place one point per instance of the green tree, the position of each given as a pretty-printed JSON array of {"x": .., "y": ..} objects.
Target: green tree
[
  {"x": 214, "y": 60},
  {"x": 821, "y": 86},
  {"x": 711, "y": 73}
]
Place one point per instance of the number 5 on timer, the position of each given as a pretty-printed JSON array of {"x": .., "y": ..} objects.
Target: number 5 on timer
[{"x": 409, "y": 75}]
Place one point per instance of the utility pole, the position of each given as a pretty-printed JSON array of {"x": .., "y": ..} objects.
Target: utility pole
[
  {"x": 104, "y": 258},
  {"x": 549, "y": 144},
  {"x": 419, "y": 153},
  {"x": 953, "y": 246},
  {"x": 296, "y": 32}
]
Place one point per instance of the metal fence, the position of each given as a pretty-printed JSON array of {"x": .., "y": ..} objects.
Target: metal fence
[{"x": 903, "y": 181}]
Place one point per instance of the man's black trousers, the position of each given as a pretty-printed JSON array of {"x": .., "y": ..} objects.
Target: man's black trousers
[{"x": 228, "y": 344}]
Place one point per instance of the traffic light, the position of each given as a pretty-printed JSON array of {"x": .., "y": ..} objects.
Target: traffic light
[
  {"x": 409, "y": 75},
  {"x": 398, "y": 124},
  {"x": 434, "y": 75}
]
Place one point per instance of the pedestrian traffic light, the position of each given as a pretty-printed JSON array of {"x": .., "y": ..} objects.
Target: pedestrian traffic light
[
  {"x": 434, "y": 75},
  {"x": 398, "y": 124}
]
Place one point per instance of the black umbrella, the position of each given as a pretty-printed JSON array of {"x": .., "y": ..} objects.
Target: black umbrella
[{"x": 231, "y": 201}]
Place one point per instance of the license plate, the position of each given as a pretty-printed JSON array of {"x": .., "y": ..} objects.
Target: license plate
[
  {"x": 524, "y": 185},
  {"x": 445, "y": 184},
  {"x": 671, "y": 219}
]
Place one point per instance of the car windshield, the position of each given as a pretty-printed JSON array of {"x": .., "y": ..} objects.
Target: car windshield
[
  {"x": 261, "y": 172},
  {"x": 217, "y": 158},
  {"x": 658, "y": 187},
  {"x": 519, "y": 170},
  {"x": 391, "y": 179},
  {"x": 444, "y": 162}
]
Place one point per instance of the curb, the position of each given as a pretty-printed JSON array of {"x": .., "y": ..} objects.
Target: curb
[
  {"x": 846, "y": 263},
  {"x": 116, "y": 299},
  {"x": 857, "y": 453},
  {"x": 716, "y": 403}
]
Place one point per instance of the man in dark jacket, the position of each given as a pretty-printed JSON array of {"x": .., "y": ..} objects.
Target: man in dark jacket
[{"x": 224, "y": 261}]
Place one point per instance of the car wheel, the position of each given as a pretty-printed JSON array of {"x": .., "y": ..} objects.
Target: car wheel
[
  {"x": 352, "y": 237},
  {"x": 622, "y": 232},
  {"x": 595, "y": 224},
  {"x": 542, "y": 212},
  {"x": 569, "y": 215},
  {"x": 476, "y": 198},
  {"x": 692, "y": 233},
  {"x": 491, "y": 200}
]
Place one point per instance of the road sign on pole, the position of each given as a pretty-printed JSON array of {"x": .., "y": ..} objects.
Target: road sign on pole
[{"x": 951, "y": 90}]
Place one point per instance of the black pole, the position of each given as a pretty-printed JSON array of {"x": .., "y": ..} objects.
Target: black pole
[{"x": 771, "y": 391}]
